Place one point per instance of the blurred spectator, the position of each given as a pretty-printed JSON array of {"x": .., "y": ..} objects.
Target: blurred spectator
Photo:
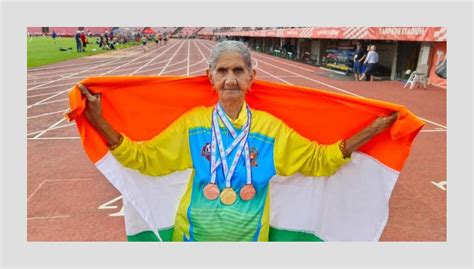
[{"x": 78, "y": 41}]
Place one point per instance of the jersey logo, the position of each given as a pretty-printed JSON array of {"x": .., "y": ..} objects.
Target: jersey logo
[
  {"x": 206, "y": 151},
  {"x": 253, "y": 156}
]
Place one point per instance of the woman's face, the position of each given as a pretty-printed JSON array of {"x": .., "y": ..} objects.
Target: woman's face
[{"x": 231, "y": 78}]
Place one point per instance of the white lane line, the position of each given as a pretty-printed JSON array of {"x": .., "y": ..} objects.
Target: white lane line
[
  {"x": 54, "y": 180},
  {"x": 172, "y": 57},
  {"x": 187, "y": 65},
  {"x": 176, "y": 63},
  {"x": 134, "y": 68},
  {"x": 46, "y": 114},
  {"x": 311, "y": 79},
  {"x": 83, "y": 71},
  {"x": 55, "y": 138},
  {"x": 201, "y": 71},
  {"x": 282, "y": 62},
  {"x": 262, "y": 76},
  {"x": 52, "y": 86},
  {"x": 177, "y": 69},
  {"x": 50, "y": 129},
  {"x": 271, "y": 75},
  {"x": 61, "y": 92},
  {"x": 434, "y": 131},
  {"x": 50, "y": 102},
  {"x": 127, "y": 63},
  {"x": 63, "y": 67},
  {"x": 42, "y": 94},
  {"x": 434, "y": 123},
  {"x": 36, "y": 81},
  {"x": 51, "y": 217},
  {"x": 107, "y": 205},
  {"x": 202, "y": 54},
  {"x": 196, "y": 63},
  {"x": 151, "y": 60},
  {"x": 440, "y": 185}
]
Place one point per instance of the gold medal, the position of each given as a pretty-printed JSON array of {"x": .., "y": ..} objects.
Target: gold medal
[
  {"x": 247, "y": 192},
  {"x": 228, "y": 196},
  {"x": 211, "y": 191}
]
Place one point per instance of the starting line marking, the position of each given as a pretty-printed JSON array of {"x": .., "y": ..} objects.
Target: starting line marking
[
  {"x": 54, "y": 180},
  {"x": 107, "y": 205}
]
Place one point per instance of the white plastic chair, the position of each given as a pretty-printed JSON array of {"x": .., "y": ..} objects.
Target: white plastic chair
[{"x": 418, "y": 76}]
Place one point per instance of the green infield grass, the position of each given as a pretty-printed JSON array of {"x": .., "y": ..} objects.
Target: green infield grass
[{"x": 44, "y": 50}]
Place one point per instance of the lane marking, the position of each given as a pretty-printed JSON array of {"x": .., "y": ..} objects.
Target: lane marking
[
  {"x": 52, "y": 86},
  {"x": 434, "y": 131},
  {"x": 50, "y": 129},
  {"x": 107, "y": 205},
  {"x": 152, "y": 59},
  {"x": 61, "y": 92},
  {"x": 42, "y": 94},
  {"x": 172, "y": 57},
  {"x": 55, "y": 138},
  {"x": 440, "y": 185},
  {"x": 50, "y": 102},
  {"x": 83, "y": 71},
  {"x": 46, "y": 114},
  {"x": 187, "y": 65},
  {"x": 54, "y": 180},
  {"x": 177, "y": 69},
  {"x": 202, "y": 54}
]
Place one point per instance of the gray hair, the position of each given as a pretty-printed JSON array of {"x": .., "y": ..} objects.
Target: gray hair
[{"x": 230, "y": 46}]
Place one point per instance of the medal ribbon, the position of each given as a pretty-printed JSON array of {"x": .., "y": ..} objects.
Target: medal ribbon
[
  {"x": 240, "y": 140},
  {"x": 243, "y": 145}
]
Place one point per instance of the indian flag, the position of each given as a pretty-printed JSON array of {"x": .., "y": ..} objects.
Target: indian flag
[{"x": 351, "y": 205}]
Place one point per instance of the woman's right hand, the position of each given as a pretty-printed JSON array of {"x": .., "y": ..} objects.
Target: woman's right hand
[
  {"x": 93, "y": 110},
  {"x": 93, "y": 113}
]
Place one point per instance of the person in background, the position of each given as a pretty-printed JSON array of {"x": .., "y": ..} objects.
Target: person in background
[
  {"x": 371, "y": 61},
  {"x": 54, "y": 35},
  {"x": 84, "y": 41},
  {"x": 144, "y": 43},
  {"x": 359, "y": 57},
  {"x": 78, "y": 41}
]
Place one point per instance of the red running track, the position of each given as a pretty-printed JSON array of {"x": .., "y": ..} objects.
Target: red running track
[{"x": 69, "y": 200}]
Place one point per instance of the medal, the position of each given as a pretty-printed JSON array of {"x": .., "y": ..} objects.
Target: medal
[
  {"x": 247, "y": 192},
  {"x": 211, "y": 191},
  {"x": 228, "y": 196}
]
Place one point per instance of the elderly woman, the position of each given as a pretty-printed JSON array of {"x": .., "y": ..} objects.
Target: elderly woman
[{"x": 233, "y": 150}]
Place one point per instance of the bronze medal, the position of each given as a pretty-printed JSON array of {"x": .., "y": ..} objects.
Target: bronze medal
[
  {"x": 211, "y": 191},
  {"x": 228, "y": 196},
  {"x": 247, "y": 192}
]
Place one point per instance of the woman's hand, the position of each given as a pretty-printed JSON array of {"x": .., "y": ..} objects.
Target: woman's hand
[
  {"x": 93, "y": 113},
  {"x": 93, "y": 110},
  {"x": 382, "y": 123},
  {"x": 377, "y": 126}
]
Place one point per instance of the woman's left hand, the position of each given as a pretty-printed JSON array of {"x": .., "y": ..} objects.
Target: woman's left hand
[{"x": 382, "y": 123}]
